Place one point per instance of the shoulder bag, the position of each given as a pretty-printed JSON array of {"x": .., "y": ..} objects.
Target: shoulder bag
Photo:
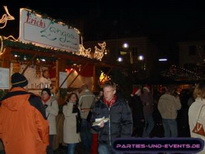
[{"x": 198, "y": 128}]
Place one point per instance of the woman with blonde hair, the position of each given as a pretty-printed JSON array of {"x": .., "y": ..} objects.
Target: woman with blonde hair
[{"x": 197, "y": 110}]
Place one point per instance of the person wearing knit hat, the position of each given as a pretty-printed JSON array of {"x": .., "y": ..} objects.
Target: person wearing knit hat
[
  {"x": 18, "y": 80},
  {"x": 51, "y": 106},
  {"x": 22, "y": 109}
]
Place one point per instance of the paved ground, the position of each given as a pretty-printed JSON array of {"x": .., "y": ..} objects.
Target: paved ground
[
  {"x": 62, "y": 150},
  {"x": 157, "y": 132}
]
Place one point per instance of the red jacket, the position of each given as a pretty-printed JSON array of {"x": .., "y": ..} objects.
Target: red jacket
[{"x": 23, "y": 129}]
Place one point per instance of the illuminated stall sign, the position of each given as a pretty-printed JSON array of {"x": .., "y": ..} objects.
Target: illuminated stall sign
[{"x": 45, "y": 32}]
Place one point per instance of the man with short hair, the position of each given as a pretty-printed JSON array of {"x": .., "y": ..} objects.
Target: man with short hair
[
  {"x": 168, "y": 105},
  {"x": 23, "y": 128},
  {"x": 86, "y": 99},
  {"x": 117, "y": 111}
]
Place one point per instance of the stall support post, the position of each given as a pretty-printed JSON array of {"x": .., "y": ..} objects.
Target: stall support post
[
  {"x": 60, "y": 67},
  {"x": 5, "y": 62},
  {"x": 77, "y": 75},
  {"x": 28, "y": 64}
]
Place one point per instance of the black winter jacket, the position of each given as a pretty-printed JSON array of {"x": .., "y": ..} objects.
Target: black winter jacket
[{"x": 120, "y": 123}]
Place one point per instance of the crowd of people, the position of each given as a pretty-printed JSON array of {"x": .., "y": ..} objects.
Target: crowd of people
[{"x": 29, "y": 123}]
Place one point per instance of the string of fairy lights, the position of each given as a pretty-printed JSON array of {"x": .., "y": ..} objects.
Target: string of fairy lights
[
  {"x": 97, "y": 54},
  {"x": 181, "y": 72}
]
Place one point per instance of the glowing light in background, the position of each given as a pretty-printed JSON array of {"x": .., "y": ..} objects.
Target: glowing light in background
[
  {"x": 119, "y": 59},
  {"x": 162, "y": 59},
  {"x": 140, "y": 57},
  {"x": 125, "y": 45}
]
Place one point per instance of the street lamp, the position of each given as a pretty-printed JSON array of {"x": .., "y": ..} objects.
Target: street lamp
[
  {"x": 126, "y": 47},
  {"x": 119, "y": 59},
  {"x": 140, "y": 57}
]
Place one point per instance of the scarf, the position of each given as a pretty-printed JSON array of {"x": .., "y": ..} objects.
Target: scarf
[
  {"x": 75, "y": 109},
  {"x": 78, "y": 118},
  {"x": 111, "y": 102}
]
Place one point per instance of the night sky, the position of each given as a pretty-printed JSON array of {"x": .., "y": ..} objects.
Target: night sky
[{"x": 100, "y": 19}]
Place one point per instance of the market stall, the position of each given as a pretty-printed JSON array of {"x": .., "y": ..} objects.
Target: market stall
[{"x": 47, "y": 46}]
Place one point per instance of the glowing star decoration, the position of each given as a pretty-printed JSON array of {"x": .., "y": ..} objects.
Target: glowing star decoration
[
  {"x": 84, "y": 52},
  {"x": 99, "y": 53},
  {"x": 103, "y": 78},
  {"x": 5, "y": 18}
]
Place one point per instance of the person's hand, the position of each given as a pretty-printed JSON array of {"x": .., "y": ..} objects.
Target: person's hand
[
  {"x": 85, "y": 110},
  {"x": 101, "y": 125}
]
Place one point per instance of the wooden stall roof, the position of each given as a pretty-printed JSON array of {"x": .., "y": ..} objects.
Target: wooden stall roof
[{"x": 30, "y": 49}]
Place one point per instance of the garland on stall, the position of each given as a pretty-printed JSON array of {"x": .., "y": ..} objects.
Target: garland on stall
[
  {"x": 98, "y": 54},
  {"x": 30, "y": 46}
]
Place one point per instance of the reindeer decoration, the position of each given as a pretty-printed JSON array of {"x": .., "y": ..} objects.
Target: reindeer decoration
[
  {"x": 99, "y": 53},
  {"x": 84, "y": 52}
]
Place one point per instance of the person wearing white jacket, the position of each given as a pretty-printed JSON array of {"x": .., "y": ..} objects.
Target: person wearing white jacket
[
  {"x": 72, "y": 123},
  {"x": 52, "y": 109},
  {"x": 196, "y": 108}
]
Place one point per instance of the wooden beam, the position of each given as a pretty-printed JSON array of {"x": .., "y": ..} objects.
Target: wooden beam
[
  {"x": 60, "y": 55},
  {"x": 77, "y": 75},
  {"x": 28, "y": 64},
  {"x": 64, "y": 81},
  {"x": 6, "y": 58}
]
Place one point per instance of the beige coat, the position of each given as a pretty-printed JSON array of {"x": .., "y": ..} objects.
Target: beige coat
[
  {"x": 168, "y": 106},
  {"x": 86, "y": 100},
  {"x": 69, "y": 127}
]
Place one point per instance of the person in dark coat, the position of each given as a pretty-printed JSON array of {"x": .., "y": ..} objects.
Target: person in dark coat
[
  {"x": 148, "y": 104},
  {"x": 137, "y": 112},
  {"x": 117, "y": 117}
]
